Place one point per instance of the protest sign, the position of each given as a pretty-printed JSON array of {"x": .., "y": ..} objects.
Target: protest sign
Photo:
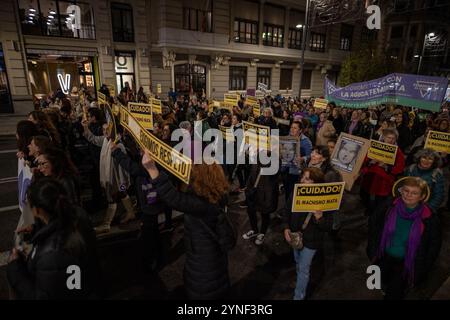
[
  {"x": 227, "y": 133},
  {"x": 348, "y": 157},
  {"x": 142, "y": 112},
  {"x": 173, "y": 161},
  {"x": 263, "y": 87},
  {"x": 320, "y": 103},
  {"x": 251, "y": 92},
  {"x": 156, "y": 106},
  {"x": 383, "y": 152},
  {"x": 256, "y": 110},
  {"x": 226, "y": 105},
  {"x": 438, "y": 141},
  {"x": 423, "y": 92},
  {"x": 101, "y": 98},
  {"x": 317, "y": 197},
  {"x": 251, "y": 100},
  {"x": 289, "y": 150},
  {"x": 158, "y": 88},
  {"x": 285, "y": 122},
  {"x": 24, "y": 177},
  {"x": 256, "y": 135},
  {"x": 231, "y": 98}
]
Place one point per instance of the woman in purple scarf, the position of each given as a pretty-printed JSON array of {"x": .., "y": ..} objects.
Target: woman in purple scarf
[{"x": 409, "y": 239}]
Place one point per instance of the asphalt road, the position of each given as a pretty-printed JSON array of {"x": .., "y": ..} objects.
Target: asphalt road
[{"x": 264, "y": 272}]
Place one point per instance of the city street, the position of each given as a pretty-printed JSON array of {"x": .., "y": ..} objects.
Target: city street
[{"x": 265, "y": 272}]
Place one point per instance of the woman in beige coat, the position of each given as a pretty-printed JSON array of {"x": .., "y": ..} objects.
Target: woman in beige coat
[{"x": 326, "y": 130}]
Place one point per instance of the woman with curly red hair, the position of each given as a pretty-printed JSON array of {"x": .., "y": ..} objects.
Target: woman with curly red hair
[{"x": 206, "y": 267}]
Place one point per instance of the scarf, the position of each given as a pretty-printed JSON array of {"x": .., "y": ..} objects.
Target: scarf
[{"x": 415, "y": 234}]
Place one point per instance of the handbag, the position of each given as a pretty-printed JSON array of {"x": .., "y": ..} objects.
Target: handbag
[
  {"x": 297, "y": 237},
  {"x": 250, "y": 195}
]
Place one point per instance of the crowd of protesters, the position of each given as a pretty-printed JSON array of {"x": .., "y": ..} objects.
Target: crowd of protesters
[{"x": 66, "y": 141}]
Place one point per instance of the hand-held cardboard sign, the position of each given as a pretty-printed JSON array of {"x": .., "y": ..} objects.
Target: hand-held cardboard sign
[
  {"x": 438, "y": 141},
  {"x": 317, "y": 197}
]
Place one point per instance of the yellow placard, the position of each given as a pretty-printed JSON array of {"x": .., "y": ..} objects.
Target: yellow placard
[
  {"x": 317, "y": 197},
  {"x": 156, "y": 105},
  {"x": 383, "y": 152},
  {"x": 251, "y": 100},
  {"x": 101, "y": 98},
  {"x": 256, "y": 135},
  {"x": 256, "y": 110},
  {"x": 142, "y": 112},
  {"x": 438, "y": 141},
  {"x": 158, "y": 88},
  {"x": 227, "y": 133},
  {"x": 320, "y": 103},
  {"x": 231, "y": 98},
  {"x": 173, "y": 161}
]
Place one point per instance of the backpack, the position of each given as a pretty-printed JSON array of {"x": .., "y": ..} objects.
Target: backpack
[{"x": 226, "y": 233}]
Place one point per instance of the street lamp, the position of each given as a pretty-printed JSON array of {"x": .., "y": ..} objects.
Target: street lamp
[{"x": 427, "y": 36}]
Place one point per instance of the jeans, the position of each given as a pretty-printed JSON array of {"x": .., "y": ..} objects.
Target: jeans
[{"x": 303, "y": 259}]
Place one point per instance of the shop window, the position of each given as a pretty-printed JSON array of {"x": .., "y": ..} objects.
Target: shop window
[
  {"x": 122, "y": 22},
  {"x": 190, "y": 77},
  {"x": 124, "y": 64},
  {"x": 57, "y": 18}
]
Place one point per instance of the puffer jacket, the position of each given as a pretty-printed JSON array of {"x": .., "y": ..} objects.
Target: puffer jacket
[{"x": 206, "y": 266}]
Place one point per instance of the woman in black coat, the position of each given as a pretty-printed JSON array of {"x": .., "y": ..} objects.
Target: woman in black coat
[
  {"x": 206, "y": 266},
  {"x": 61, "y": 237}
]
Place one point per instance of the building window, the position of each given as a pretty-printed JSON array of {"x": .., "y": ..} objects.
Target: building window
[
  {"x": 346, "y": 37},
  {"x": 190, "y": 78},
  {"x": 368, "y": 35},
  {"x": 197, "y": 20},
  {"x": 295, "y": 39},
  {"x": 317, "y": 42},
  {"x": 245, "y": 31},
  {"x": 72, "y": 19},
  {"x": 397, "y": 32},
  {"x": 124, "y": 63},
  {"x": 263, "y": 75},
  {"x": 238, "y": 78},
  {"x": 306, "y": 79},
  {"x": 122, "y": 22},
  {"x": 273, "y": 35},
  {"x": 5, "y": 94},
  {"x": 286, "y": 79}
]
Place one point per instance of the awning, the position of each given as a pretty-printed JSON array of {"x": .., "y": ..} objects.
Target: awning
[{"x": 87, "y": 52}]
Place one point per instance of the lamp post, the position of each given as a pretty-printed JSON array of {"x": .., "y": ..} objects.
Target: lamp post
[
  {"x": 304, "y": 39},
  {"x": 431, "y": 34}
]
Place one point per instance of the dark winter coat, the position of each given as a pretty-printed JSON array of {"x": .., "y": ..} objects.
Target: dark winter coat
[
  {"x": 206, "y": 266},
  {"x": 43, "y": 275},
  {"x": 313, "y": 235},
  {"x": 266, "y": 199},
  {"x": 427, "y": 251}
]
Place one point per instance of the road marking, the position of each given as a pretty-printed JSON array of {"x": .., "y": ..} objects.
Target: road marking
[
  {"x": 3, "y": 209},
  {"x": 8, "y": 180},
  {"x": 9, "y": 151}
]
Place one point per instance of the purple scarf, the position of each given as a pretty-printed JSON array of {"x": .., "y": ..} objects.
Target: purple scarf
[{"x": 415, "y": 233}]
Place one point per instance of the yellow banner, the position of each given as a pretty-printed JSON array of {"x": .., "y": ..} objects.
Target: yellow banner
[
  {"x": 101, "y": 98},
  {"x": 231, "y": 98},
  {"x": 383, "y": 152},
  {"x": 438, "y": 141},
  {"x": 320, "y": 103},
  {"x": 173, "y": 161},
  {"x": 142, "y": 112},
  {"x": 156, "y": 105},
  {"x": 256, "y": 135},
  {"x": 227, "y": 133},
  {"x": 251, "y": 100},
  {"x": 317, "y": 197},
  {"x": 256, "y": 110}
]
